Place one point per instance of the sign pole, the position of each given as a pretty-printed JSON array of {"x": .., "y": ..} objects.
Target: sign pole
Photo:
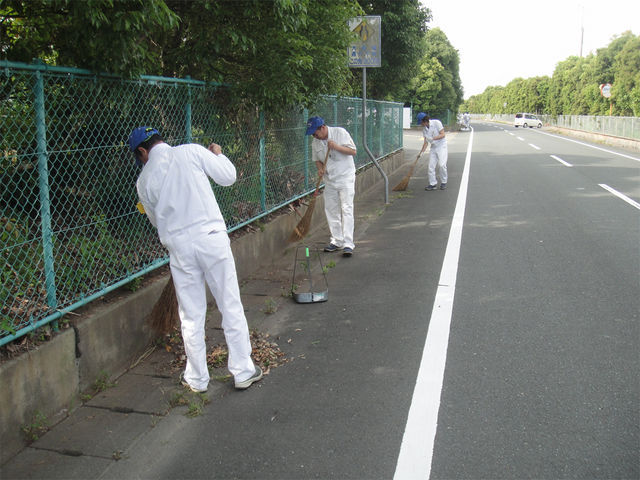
[
  {"x": 365, "y": 52},
  {"x": 364, "y": 136}
]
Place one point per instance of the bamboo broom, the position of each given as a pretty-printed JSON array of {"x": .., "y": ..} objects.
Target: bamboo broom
[
  {"x": 304, "y": 224},
  {"x": 164, "y": 315},
  {"x": 404, "y": 183}
]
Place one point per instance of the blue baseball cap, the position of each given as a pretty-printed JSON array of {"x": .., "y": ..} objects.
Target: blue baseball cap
[
  {"x": 421, "y": 116},
  {"x": 313, "y": 124},
  {"x": 141, "y": 135}
]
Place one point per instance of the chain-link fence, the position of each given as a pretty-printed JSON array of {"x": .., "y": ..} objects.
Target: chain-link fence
[{"x": 69, "y": 229}]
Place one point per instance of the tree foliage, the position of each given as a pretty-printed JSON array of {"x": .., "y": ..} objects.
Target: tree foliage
[
  {"x": 437, "y": 87},
  {"x": 276, "y": 53},
  {"x": 101, "y": 35},
  {"x": 574, "y": 87}
]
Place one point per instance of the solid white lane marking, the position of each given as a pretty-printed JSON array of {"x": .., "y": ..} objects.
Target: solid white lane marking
[
  {"x": 416, "y": 451},
  {"x": 534, "y": 146},
  {"x": 566, "y": 164},
  {"x": 622, "y": 196},
  {"x": 592, "y": 146}
]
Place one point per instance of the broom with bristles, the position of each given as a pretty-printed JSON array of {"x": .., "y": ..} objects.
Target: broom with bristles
[
  {"x": 404, "y": 183},
  {"x": 304, "y": 224},
  {"x": 164, "y": 314}
]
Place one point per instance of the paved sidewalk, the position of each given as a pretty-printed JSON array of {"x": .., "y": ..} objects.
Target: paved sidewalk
[{"x": 103, "y": 430}]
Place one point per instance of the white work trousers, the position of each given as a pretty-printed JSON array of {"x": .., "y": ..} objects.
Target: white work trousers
[
  {"x": 438, "y": 157},
  {"x": 338, "y": 207},
  {"x": 194, "y": 261}
]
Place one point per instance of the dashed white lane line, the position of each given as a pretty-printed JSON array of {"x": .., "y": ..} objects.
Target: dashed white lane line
[
  {"x": 416, "y": 451},
  {"x": 621, "y": 196},
  {"x": 558, "y": 159},
  {"x": 534, "y": 146},
  {"x": 592, "y": 146}
]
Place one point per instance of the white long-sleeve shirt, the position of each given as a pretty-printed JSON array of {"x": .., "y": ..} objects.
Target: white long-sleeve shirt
[
  {"x": 340, "y": 167},
  {"x": 433, "y": 130},
  {"x": 176, "y": 193}
]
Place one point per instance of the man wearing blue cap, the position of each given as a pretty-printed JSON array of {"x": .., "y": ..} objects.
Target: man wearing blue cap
[
  {"x": 339, "y": 174},
  {"x": 176, "y": 194},
  {"x": 433, "y": 133}
]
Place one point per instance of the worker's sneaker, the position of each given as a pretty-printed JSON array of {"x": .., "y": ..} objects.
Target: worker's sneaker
[
  {"x": 443, "y": 186},
  {"x": 193, "y": 389},
  {"x": 430, "y": 187},
  {"x": 254, "y": 378},
  {"x": 347, "y": 252},
  {"x": 331, "y": 248}
]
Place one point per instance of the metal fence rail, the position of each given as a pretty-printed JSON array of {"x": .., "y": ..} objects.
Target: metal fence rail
[
  {"x": 69, "y": 230},
  {"x": 623, "y": 127}
]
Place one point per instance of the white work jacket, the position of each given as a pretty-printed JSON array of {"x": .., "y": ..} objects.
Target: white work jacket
[
  {"x": 340, "y": 168},
  {"x": 176, "y": 193},
  {"x": 433, "y": 130}
]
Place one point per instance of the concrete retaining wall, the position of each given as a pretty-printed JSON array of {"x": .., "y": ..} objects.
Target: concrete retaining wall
[{"x": 107, "y": 339}]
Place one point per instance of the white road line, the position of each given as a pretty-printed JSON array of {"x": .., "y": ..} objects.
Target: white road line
[
  {"x": 416, "y": 451},
  {"x": 520, "y": 138},
  {"x": 534, "y": 146},
  {"x": 633, "y": 203},
  {"x": 566, "y": 164},
  {"x": 592, "y": 146}
]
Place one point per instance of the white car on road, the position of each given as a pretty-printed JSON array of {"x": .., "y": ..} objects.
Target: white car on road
[{"x": 525, "y": 120}]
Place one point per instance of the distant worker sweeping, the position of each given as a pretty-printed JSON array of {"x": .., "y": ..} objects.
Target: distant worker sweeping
[
  {"x": 176, "y": 194},
  {"x": 433, "y": 133},
  {"x": 333, "y": 151}
]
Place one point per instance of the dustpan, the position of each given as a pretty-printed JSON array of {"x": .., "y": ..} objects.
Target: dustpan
[{"x": 309, "y": 284}]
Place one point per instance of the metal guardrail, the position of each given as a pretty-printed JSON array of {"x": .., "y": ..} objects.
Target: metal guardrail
[
  {"x": 622, "y": 127},
  {"x": 69, "y": 229}
]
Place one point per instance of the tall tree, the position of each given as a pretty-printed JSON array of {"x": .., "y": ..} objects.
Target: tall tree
[{"x": 437, "y": 87}]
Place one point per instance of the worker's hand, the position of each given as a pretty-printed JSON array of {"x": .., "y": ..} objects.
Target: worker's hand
[
  {"x": 331, "y": 145},
  {"x": 215, "y": 148},
  {"x": 321, "y": 171},
  {"x": 429, "y": 139}
]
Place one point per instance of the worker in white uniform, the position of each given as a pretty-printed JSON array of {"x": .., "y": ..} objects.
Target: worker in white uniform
[
  {"x": 176, "y": 194},
  {"x": 433, "y": 133},
  {"x": 339, "y": 173}
]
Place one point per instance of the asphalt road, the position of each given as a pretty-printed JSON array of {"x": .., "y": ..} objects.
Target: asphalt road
[{"x": 539, "y": 353}]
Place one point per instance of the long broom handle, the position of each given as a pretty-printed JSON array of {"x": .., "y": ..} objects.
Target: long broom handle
[{"x": 320, "y": 176}]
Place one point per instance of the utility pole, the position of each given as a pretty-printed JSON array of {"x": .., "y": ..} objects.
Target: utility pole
[{"x": 581, "y": 29}]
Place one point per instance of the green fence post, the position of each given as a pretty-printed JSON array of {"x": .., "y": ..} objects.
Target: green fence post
[
  {"x": 45, "y": 205},
  {"x": 335, "y": 110},
  {"x": 356, "y": 126},
  {"x": 305, "y": 114},
  {"x": 187, "y": 122},
  {"x": 263, "y": 174},
  {"x": 381, "y": 129}
]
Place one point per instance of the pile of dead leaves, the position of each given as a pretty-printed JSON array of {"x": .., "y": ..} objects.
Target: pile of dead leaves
[{"x": 265, "y": 352}]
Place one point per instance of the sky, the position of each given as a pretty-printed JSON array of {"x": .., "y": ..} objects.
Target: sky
[{"x": 500, "y": 40}]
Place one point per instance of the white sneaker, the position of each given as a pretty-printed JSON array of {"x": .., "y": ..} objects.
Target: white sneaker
[
  {"x": 193, "y": 389},
  {"x": 254, "y": 378}
]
